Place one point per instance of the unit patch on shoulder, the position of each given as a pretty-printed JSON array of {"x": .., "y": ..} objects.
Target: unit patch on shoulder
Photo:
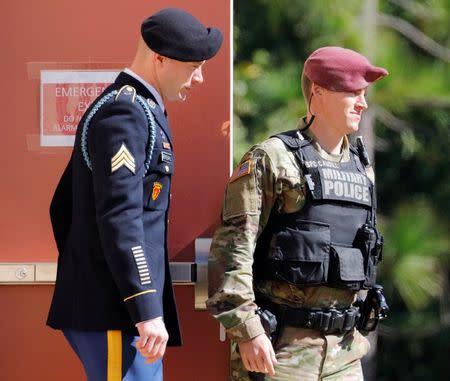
[
  {"x": 123, "y": 157},
  {"x": 244, "y": 169}
]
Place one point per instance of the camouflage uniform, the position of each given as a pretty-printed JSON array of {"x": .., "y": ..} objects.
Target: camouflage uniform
[{"x": 269, "y": 177}]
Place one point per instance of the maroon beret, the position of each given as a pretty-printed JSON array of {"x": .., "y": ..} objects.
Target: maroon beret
[{"x": 339, "y": 69}]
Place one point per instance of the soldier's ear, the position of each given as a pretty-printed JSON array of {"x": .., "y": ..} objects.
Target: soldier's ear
[
  {"x": 159, "y": 58},
  {"x": 317, "y": 90}
]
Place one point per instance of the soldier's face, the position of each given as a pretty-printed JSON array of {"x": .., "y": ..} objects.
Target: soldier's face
[
  {"x": 178, "y": 78},
  {"x": 344, "y": 109}
]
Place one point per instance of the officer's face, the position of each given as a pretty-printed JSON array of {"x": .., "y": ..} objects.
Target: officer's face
[
  {"x": 344, "y": 109},
  {"x": 177, "y": 78}
]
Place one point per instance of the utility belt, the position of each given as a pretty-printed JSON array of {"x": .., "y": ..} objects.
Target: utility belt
[
  {"x": 363, "y": 315},
  {"x": 325, "y": 320}
]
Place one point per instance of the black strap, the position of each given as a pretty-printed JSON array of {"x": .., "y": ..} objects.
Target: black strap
[
  {"x": 326, "y": 320},
  {"x": 306, "y": 123},
  {"x": 371, "y": 218},
  {"x": 294, "y": 141}
]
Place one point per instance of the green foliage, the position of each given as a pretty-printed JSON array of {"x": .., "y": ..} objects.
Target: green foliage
[
  {"x": 411, "y": 358},
  {"x": 416, "y": 159},
  {"x": 255, "y": 104},
  {"x": 416, "y": 248}
]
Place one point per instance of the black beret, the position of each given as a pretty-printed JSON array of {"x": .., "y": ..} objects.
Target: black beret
[
  {"x": 340, "y": 69},
  {"x": 177, "y": 34}
]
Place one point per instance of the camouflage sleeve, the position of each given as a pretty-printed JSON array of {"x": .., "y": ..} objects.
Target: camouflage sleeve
[{"x": 248, "y": 201}]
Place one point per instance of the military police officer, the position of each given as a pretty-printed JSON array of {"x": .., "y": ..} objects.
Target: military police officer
[
  {"x": 298, "y": 238},
  {"x": 109, "y": 211}
]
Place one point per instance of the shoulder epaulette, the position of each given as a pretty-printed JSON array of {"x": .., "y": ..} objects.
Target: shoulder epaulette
[{"x": 126, "y": 92}]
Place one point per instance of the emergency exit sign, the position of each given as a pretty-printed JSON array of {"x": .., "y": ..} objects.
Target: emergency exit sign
[{"x": 65, "y": 96}]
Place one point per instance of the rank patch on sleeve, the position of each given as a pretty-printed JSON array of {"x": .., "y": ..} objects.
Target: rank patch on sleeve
[
  {"x": 123, "y": 157},
  {"x": 244, "y": 169},
  {"x": 141, "y": 263}
]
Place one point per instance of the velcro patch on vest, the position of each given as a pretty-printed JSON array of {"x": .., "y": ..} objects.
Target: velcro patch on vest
[
  {"x": 244, "y": 169},
  {"x": 338, "y": 181},
  {"x": 338, "y": 184}
]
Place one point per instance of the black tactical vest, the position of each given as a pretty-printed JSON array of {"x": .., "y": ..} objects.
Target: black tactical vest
[{"x": 332, "y": 240}]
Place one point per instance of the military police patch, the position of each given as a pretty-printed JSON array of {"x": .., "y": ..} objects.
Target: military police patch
[
  {"x": 244, "y": 169},
  {"x": 123, "y": 157}
]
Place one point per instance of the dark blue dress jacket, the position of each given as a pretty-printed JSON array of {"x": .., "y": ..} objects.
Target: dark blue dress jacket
[{"x": 109, "y": 218}]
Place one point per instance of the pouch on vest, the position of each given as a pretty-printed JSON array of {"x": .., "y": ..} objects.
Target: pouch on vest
[
  {"x": 302, "y": 253},
  {"x": 370, "y": 242},
  {"x": 346, "y": 267}
]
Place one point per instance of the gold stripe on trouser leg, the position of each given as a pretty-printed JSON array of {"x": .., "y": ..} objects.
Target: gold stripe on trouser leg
[{"x": 114, "y": 356}]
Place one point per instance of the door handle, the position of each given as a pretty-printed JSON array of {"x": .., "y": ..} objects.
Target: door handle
[
  {"x": 182, "y": 273},
  {"x": 45, "y": 272}
]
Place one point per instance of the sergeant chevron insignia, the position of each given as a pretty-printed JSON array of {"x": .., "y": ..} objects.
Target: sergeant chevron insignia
[{"x": 123, "y": 157}]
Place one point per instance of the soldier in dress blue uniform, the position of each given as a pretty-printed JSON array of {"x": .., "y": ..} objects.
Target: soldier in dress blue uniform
[{"x": 113, "y": 296}]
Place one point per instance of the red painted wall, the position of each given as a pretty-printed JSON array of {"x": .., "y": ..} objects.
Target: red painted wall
[{"x": 51, "y": 34}]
